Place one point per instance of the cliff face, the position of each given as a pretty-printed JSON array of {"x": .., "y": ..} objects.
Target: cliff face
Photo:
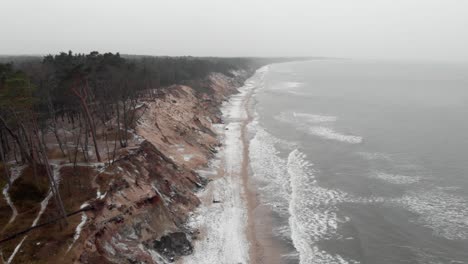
[{"x": 145, "y": 198}]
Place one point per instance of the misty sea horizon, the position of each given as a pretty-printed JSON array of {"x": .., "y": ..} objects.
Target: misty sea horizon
[{"x": 363, "y": 161}]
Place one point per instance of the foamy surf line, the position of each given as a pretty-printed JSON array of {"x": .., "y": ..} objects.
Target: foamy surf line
[
  {"x": 304, "y": 118},
  {"x": 289, "y": 186},
  {"x": 328, "y": 133},
  {"x": 312, "y": 211},
  {"x": 223, "y": 224},
  {"x": 312, "y": 124}
]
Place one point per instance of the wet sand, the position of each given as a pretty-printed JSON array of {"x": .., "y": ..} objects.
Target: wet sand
[{"x": 264, "y": 249}]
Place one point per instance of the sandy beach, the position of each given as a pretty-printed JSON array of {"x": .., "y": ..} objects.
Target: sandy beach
[{"x": 233, "y": 226}]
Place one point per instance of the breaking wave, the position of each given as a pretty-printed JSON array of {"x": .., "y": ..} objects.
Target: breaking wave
[
  {"x": 293, "y": 84},
  {"x": 301, "y": 118},
  {"x": 396, "y": 178},
  {"x": 374, "y": 156},
  {"x": 328, "y": 133},
  {"x": 446, "y": 214},
  {"x": 285, "y": 87},
  {"x": 311, "y": 118},
  {"x": 269, "y": 170},
  {"x": 288, "y": 185},
  {"x": 312, "y": 210}
]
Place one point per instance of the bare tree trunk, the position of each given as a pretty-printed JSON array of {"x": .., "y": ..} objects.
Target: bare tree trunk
[
  {"x": 119, "y": 132},
  {"x": 83, "y": 95},
  {"x": 107, "y": 147},
  {"x": 75, "y": 159},
  {"x": 84, "y": 147},
  {"x": 125, "y": 110},
  {"x": 14, "y": 153},
  {"x": 5, "y": 166},
  {"x": 53, "y": 184},
  {"x": 57, "y": 137},
  {"x": 72, "y": 121},
  {"x": 44, "y": 140},
  {"x": 78, "y": 142},
  {"x": 54, "y": 124},
  {"x": 67, "y": 147},
  {"x": 34, "y": 163},
  {"x": 25, "y": 136},
  {"x": 4, "y": 139},
  {"x": 114, "y": 151},
  {"x": 20, "y": 143}
]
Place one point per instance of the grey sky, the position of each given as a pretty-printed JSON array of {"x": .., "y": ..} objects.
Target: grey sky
[{"x": 393, "y": 29}]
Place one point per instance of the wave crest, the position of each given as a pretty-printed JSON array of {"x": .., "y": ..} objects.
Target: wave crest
[
  {"x": 312, "y": 211},
  {"x": 328, "y": 133}
]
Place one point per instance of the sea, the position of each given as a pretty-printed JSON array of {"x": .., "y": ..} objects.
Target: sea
[{"x": 363, "y": 161}]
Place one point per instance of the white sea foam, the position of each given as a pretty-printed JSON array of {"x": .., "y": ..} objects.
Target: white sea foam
[
  {"x": 313, "y": 118},
  {"x": 374, "y": 156},
  {"x": 446, "y": 214},
  {"x": 269, "y": 170},
  {"x": 302, "y": 121},
  {"x": 289, "y": 187},
  {"x": 293, "y": 84},
  {"x": 285, "y": 87},
  {"x": 431, "y": 256},
  {"x": 313, "y": 214},
  {"x": 304, "y": 118},
  {"x": 328, "y": 133},
  {"x": 396, "y": 178}
]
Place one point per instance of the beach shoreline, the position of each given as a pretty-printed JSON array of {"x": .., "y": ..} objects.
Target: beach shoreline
[
  {"x": 233, "y": 226},
  {"x": 264, "y": 249},
  {"x": 222, "y": 219}
]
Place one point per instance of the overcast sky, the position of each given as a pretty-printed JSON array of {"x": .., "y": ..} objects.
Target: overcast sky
[{"x": 387, "y": 29}]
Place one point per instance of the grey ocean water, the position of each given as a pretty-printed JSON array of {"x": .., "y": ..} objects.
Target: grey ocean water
[{"x": 364, "y": 161}]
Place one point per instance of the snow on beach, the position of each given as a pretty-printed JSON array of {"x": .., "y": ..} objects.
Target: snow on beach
[{"x": 222, "y": 217}]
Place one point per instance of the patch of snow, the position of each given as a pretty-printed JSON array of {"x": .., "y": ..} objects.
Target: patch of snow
[
  {"x": 79, "y": 227},
  {"x": 100, "y": 196},
  {"x": 187, "y": 157},
  {"x": 15, "y": 174},
  {"x": 10, "y": 259},
  {"x": 109, "y": 248},
  {"x": 140, "y": 105},
  {"x": 180, "y": 147},
  {"x": 154, "y": 255}
]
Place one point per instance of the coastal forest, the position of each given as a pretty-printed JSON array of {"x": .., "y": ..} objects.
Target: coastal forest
[{"x": 74, "y": 112}]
